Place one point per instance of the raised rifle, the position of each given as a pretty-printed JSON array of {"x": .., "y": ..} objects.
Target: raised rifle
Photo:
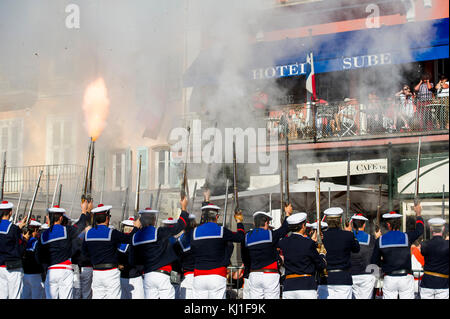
[
  {"x": 347, "y": 206},
  {"x": 125, "y": 204},
  {"x": 138, "y": 186},
  {"x": 286, "y": 176},
  {"x": 379, "y": 206},
  {"x": 184, "y": 185},
  {"x": 33, "y": 200},
  {"x": 225, "y": 208},
  {"x": 158, "y": 193},
  {"x": 151, "y": 200},
  {"x": 281, "y": 192},
  {"x": 18, "y": 205},
  {"x": 87, "y": 190},
  {"x": 56, "y": 186},
  {"x": 191, "y": 204},
  {"x": 59, "y": 194},
  {"x": 235, "y": 187},
  {"x": 3, "y": 176},
  {"x": 416, "y": 189},
  {"x": 319, "y": 239}
]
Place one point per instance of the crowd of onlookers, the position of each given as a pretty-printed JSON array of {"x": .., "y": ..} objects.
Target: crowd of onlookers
[{"x": 424, "y": 107}]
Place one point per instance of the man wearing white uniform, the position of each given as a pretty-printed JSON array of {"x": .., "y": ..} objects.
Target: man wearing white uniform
[
  {"x": 392, "y": 252},
  {"x": 12, "y": 247},
  {"x": 363, "y": 282},
  {"x": 100, "y": 245}
]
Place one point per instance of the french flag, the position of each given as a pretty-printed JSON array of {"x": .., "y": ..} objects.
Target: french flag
[{"x": 311, "y": 79}]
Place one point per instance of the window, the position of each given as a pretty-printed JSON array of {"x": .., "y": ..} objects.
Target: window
[
  {"x": 166, "y": 171},
  {"x": 61, "y": 141},
  {"x": 143, "y": 151},
  {"x": 11, "y": 142},
  {"x": 120, "y": 169}
]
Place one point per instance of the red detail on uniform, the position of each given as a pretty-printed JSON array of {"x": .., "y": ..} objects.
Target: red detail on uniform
[
  {"x": 419, "y": 221},
  {"x": 359, "y": 214},
  {"x": 104, "y": 269},
  {"x": 56, "y": 206},
  {"x": 148, "y": 208},
  {"x": 5, "y": 202},
  {"x": 170, "y": 218},
  {"x": 131, "y": 218},
  {"x": 3, "y": 266},
  {"x": 392, "y": 213},
  {"x": 221, "y": 271},
  {"x": 100, "y": 205},
  {"x": 188, "y": 273},
  {"x": 67, "y": 263},
  {"x": 183, "y": 220},
  {"x": 273, "y": 265},
  {"x": 416, "y": 252},
  {"x": 167, "y": 268},
  {"x": 240, "y": 229}
]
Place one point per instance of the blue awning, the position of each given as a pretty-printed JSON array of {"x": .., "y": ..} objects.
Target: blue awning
[{"x": 397, "y": 44}]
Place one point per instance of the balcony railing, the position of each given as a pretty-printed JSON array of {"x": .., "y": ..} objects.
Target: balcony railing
[{"x": 347, "y": 119}]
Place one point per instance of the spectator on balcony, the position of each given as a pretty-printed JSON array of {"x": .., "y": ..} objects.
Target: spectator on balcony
[
  {"x": 260, "y": 102},
  {"x": 283, "y": 125},
  {"x": 424, "y": 97},
  {"x": 346, "y": 119},
  {"x": 407, "y": 107},
  {"x": 442, "y": 95}
]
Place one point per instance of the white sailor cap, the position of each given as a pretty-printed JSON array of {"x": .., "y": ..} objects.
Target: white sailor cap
[
  {"x": 436, "y": 221},
  {"x": 148, "y": 211},
  {"x": 192, "y": 216},
  {"x": 56, "y": 209},
  {"x": 6, "y": 205},
  {"x": 128, "y": 222},
  {"x": 210, "y": 206},
  {"x": 323, "y": 225},
  {"x": 45, "y": 226},
  {"x": 333, "y": 211},
  {"x": 359, "y": 216},
  {"x": 101, "y": 209},
  {"x": 296, "y": 218},
  {"x": 169, "y": 221},
  {"x": 309, "y": 225},
  {"x": 392, "y": 215},
  {"x": 261, "y": 213},
  {"x": 34, "y": 223}
]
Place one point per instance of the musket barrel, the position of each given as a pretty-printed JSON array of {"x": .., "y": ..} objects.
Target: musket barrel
[
  {"x": 138, "y": 185},
  {"x": 184, "y": 185},
  {"x": 59, "y": 195},
  {"x": 18, "y": 205},
  {"x": 86, "y": 178},
  {"x": 225, "y": 208},
  {"x": 158, "y": 193},
  {"x": 416, "y": 190},
  {"x": 89, "y": 193},
  {"x": 319, "y": 239},
  {"x": 56, "y": 186},
  {"x": 281, "y": 191},
  {"x": 33, "y": 200},
  {"x": 3, "y": 176}
]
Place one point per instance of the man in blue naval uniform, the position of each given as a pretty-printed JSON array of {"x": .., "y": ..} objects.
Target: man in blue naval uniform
[
  {"x": 33, "y": 286},
  {"x": 209, "y": 244},
  {"x": 182, "y": 248},
  {"x": 363, "y": 281},
  {"x": 12, "y": 247},
  {"x": 131, "y": 280},
  {"x": 392, "y": 252},
  {"x": 301, "y": 260},
  {"x": 261, "y": 243},
  {"x": 152, "y": 250},
  {"x": 100, "y": 244},
  {"x": 339, "y": 245},
  {"x": 55, "y": 250},
  {"x": 434, "y": 284}
]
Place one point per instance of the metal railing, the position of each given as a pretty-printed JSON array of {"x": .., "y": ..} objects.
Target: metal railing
[{"x": 338, "y": 120}]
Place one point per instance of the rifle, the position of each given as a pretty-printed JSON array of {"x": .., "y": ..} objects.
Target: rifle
[
  {"x": 3, "y": 176},
  {"x": 319, "y": 239},
  {"x": 379, "y": 206},
  {"x": 416, "y": 190},
  {"x": 56, "y": 186},
  {"x": 286, "y": 175},
  {"x": 281, "y": 192},
  {"x": 138, "y": 186},
  {"x": 18, "y": 205},
  {"x": 236, "y": 196},
  {"x": 191, "y": 204},
  {"x": 347, "y": 206},
  {"x": 151, "y": 200},
  {"x": 157, "y": 197},
  {"x": 87, "y": 190},
  {"x": 59, "y": 195},
  {"x": 125, "y": 204},
  {"x": 33, "y": 200},
  {"x": 184, "y": 186},
  {"x": 225, "y": 208}
]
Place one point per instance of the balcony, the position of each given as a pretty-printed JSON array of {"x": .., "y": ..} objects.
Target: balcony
[{"x": 348, "y": 119}]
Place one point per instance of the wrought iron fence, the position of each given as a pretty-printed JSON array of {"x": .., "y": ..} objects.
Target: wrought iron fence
[{"x": 350, "y": 118}]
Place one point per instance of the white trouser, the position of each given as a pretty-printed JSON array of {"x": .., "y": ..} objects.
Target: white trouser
[
  {"x": 398, "y": 286},
  {"x": 86, "y": 282},
  {"x": 300, "y": 294},
  {"x": 264, "y": 285},
  {"x": 132, "y": 288},
  {"x": 59, "y": 283},
  {"x": 33, "y": 287},
  {"x": 209, "y": 287},
  {"x": 186, "y": 287},
  {"x": 339, "y": 292},
  {"x": 363, "y": 286},
  {"x": 157, "y": 286},
  {"x": 245, "y": 289},
  {"x": 428, "y": 293},
  {"x": 11, "y": 283},
  {"x": 106, "y": 284}
]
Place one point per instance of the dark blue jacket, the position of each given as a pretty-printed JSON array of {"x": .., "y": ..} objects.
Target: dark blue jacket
[
  {"x": 361, "y": 259},
  {"x": 435, "y": 253},
  {"x": 12, "y": 246},
  {"x": 300, "y": 257},
  {"x": 209, "y": 244},
  {"x": 339, "y": 245},
  {"x": 30, "y": 264},
  {"x": 152, "y": 248},
  {"x": 183, "y": 250},
  {"x": 55, "y": 245},
  {"x": 126, "y": 259},
  {"x": 262, "y": 245},
  {"x": 100, "y": 244},
  {"x": 392, "y": 250}
]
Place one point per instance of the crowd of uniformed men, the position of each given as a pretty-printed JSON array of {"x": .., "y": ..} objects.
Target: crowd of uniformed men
[{"x": 89, "y": 259}]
